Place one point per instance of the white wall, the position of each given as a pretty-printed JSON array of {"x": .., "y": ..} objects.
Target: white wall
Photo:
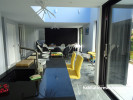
[
  {"x": 32, "y": 34},
  {"x": 41, "y": 34},
  {"x": 89, "y": 40},
  {"x": 2, "y": 56},
  {"x": 93, "y": 19},
  {"x": 85, "y": 39}
]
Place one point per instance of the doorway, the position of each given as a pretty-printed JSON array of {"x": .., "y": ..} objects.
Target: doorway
[
  {"x": 11, "y": 43},
  {"x": 116, "y": 50}
]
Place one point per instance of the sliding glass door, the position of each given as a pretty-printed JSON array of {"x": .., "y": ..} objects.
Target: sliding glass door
[
  {"x": 116, "y": 52},
  {"x": 119, "y": 47},
  {"x": 119, "y": 55}
]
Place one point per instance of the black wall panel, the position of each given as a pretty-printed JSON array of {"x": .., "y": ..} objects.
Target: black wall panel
[{"x": 59, "y": 36}]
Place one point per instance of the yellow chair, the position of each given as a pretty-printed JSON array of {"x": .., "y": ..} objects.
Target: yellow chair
[
  {"x": 75, "y": 74},
  {"x": 71, "y": 66}
]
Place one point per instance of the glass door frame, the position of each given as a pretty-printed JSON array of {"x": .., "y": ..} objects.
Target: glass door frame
[
  {"x": 105, "y": 25},
  {"x": 81, "y": 37}
]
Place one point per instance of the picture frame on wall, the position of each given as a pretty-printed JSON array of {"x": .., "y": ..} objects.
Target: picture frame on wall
[{"x": 87, "y": 31}]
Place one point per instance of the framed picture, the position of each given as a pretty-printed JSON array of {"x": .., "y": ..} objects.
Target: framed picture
[{"x": 87, "y": 31}]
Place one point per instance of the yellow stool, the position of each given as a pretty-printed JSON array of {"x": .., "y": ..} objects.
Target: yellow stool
[{"x": 93, "y": 57}]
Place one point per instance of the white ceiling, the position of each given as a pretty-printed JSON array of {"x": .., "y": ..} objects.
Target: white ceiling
[
  {"x": 74, "y": 3},
  {"x": 21, "y": 11},
  {"x": 64, "y": 25},
  {"x": 127, "y": 2}
]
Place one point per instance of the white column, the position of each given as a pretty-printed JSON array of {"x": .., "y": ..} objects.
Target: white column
[
  {"x": 94, "y": 37},
  {"x": 97, "y": 64},
  {"x": 2, "y": 55},
  {"x": 78, "y": 38}
]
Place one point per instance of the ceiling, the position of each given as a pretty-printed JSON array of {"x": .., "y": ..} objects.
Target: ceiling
[
  {"x": 74, "y": 3},
  {"x": 127, "y": 2},
  {"x": 21, "y": 11}
]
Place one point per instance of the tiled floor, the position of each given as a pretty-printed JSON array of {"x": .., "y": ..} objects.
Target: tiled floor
[
  {"x": 124, "y": 92},
  {"x": 84, "y": 88},
  {"x": 130, "y": 75},
  {"x": 121, "y": 91}
]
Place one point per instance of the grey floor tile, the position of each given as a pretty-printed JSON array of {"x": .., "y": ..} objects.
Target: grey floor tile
[{"x": 87, "y": 80}]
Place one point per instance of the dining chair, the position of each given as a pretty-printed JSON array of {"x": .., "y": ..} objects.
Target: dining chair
[
  {"x": 66, "y": 51},
  {"x": 45, "y": 49},
  {"x": 39, "y": 49},
  {"x": 57, "y": 49},
  {"x": 45, "y": 45},
  {"x": 71, "y": 65},
  {"x": 75, "y": 74},
  {"x": 63, "y": 45}
]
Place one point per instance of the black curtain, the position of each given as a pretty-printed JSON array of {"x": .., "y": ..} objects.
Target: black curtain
[{"x": 59, "y": 36}]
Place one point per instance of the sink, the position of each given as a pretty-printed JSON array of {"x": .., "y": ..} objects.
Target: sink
[{"x": 18, "y": 75}]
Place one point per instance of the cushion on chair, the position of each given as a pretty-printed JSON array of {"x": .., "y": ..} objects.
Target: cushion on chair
[
  {"x": 24, "y": 63},
  {"x": 72, "y": 74}
]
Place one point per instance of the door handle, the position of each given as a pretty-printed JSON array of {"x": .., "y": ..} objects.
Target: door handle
[
  {"x": 105, "y": 51},
  {"x": 118, "y": 46}
]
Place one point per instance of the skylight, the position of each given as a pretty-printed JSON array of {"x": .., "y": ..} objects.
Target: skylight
[
  {"x": 36, "y": 8},
  {"x": 65, "y": 14}
]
